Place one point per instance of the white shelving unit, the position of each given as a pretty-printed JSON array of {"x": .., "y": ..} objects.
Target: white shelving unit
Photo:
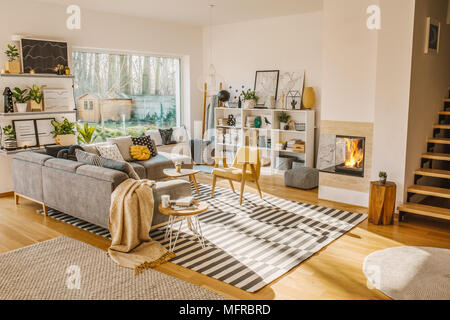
[{"x": 230, "y": 138}]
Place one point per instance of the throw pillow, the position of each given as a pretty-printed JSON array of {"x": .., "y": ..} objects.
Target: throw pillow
[
  {"x": 148, "y": 142},
  {"x": 120, "y": 166},
  {"x": 124, "y": 144},
  {"x": 110, "y": 151},
  {"x": 88, "y": 158},
  {"x": 155, "y": 136},
  {"x": 140, "y": 153},
  {"x": 166, "y": 136},
  {"x": 53, "y": 150}
]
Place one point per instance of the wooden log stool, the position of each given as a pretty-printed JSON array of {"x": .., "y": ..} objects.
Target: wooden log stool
[{"x": 382, "y": 202}]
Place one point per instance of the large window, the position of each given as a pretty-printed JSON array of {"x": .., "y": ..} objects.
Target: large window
[{"x": 126, "y": 94}]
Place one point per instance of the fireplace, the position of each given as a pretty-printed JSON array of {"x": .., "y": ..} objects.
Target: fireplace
[{"x": 349, "y": 154}]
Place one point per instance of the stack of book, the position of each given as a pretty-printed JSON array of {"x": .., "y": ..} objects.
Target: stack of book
[
  {"x": 297, "y": 146},
  {"x": 183, "y": 203}
]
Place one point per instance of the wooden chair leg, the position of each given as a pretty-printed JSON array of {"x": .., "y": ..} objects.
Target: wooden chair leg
[
  {"x": 252, "y": 166},
  {"x": 244, "y": 174},
  {"x": 16, "y": 198},
  {"x": 231, "y": 184},
  {"x": 213, "y": 185},
  {"x": 194, "y": 180}
]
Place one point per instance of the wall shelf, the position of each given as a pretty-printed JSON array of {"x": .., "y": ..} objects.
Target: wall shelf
[
  {"x": 36, "y": 75},
  {"x": 17, "y": 114}
]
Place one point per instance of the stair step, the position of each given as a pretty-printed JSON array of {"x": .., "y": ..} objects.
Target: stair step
[
  {"x": 439, "y": 140},
  {"x": 445, "y": 174},
  {"x": 436, "y": 156},
  {"x": 430, "y": 191},
  {"x": 424, "y": 210},
  {"x": 442, "y": 126},
  {"x": 446, "y": 100},
  {"x": 444, "y": 113}
]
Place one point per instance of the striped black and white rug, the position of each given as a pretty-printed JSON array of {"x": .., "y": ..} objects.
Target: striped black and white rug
[{"x": 251, "y": 245}]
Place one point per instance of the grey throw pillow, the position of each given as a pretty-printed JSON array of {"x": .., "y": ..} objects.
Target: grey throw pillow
[
  {"x": 88, "y": 158},
  {"x": 124, "y": 144},
  {"x": 166, "y": 136},
  {"x": 123, "y": 166}
]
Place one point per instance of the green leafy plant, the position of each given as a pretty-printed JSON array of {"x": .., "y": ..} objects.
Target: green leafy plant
[
  {"x": 249, "y": 95},
  {"x": 382, "y": 175},
  {"x": 62, "y": 128},
  {"x": 87, "y": 134},
  {"x": 21, "y": 96},
  {"x": 12, "y": 53},
  {"x": 36, "y": 93},
  {"x": 9, "y": 132},
  {"x": 284, "y": 117}
]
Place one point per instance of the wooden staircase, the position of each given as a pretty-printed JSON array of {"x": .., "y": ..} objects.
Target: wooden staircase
[{"x": 426, "y": 170}]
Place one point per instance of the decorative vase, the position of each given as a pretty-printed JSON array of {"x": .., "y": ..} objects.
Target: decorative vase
[
  {"x": 10, "y": 144},
  {"x": 249, "y": 104},
  {"x": 21, "y": 107},
  {"x": 66, "y": 139},
  {"x": 36, "y": 106},
  {"x": 12, "y": 66},
  {"x": 309, "y": 98}
]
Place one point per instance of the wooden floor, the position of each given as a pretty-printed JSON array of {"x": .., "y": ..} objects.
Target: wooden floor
[{"x": 335, "y": 272}]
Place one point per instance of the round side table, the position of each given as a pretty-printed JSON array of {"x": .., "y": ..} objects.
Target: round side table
[{"x": 382, "y": 202}]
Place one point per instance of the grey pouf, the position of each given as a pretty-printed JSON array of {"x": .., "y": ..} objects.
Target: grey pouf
[{"x": 302, "y": 178}]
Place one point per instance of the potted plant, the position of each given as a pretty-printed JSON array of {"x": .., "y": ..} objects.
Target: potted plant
[
  {"x": 13, "y": 64},
  {"x": 383, "y": 177},
  {"x": 9, "y": 138},
  {"x": 64, "y": 132},
  {"x": 284, "y": 118},
  {"x": 21, "y": 97},
  {"x": 36, "y": 96},
  {"x": 87, "y": 134},
  {"x": 250, "y": 99}
]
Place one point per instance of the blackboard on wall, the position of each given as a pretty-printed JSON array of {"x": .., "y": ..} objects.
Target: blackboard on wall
[{"x": 43, "y": 56}]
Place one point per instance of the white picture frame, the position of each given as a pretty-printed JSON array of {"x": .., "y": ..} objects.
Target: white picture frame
[
  {"x": 58, "y": 100},
  {"x": 266, "y": 85},
  {"x": 25, "y": 133},
  {"x": 44, "y": 130},
  {"x": 432, "y": 36}
]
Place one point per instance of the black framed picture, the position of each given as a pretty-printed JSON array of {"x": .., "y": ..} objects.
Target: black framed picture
[
  {"x": 26, "y": 134},
  {"x": 432, "y": 36},
  {"x": 266, "y": 85},
  {"x": 44, "y": 130},
  {"x": 43, "y": 56}
]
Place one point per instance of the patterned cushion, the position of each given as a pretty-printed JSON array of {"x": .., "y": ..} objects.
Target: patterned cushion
[
  {"x": 148, "y": 142},
  {"x": 140, "y": 153},
  {"x": 110, "y": 151},
  {"x": 88, "y": 158},
  {"x": 166, "y": 136},
  {"x": 124, "y": 144}
]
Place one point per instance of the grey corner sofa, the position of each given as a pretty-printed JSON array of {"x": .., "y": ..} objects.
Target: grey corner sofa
[{"x": 84, "y": 191}]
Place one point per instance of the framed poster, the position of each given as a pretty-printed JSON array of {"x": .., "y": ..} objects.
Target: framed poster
[
  {"x": 58, "y": 99},
  {"x": 432, "y": 36},
  {"x": 291, "y": 81},
  {"x": 43, "y": 56},
  {"x": 266, "y": 85},
  {"x": 44, "y": 130},
  {"x": 25, "y": 133}
]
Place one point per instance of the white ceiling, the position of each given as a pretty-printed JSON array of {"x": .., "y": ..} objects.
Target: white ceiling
[{"x": 196, "y": 12}]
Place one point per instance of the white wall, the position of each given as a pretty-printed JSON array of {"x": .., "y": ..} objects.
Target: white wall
[
  {"x": 289, "y": 43},
  {"x": 349, "y": 62},
  {"x": 110, "y": 31},
  {"x": 429, "y": 84},
  {"x": 393, "y": 76}
]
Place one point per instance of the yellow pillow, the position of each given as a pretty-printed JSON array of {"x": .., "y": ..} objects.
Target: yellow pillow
[{"x": 140, "y": 153}]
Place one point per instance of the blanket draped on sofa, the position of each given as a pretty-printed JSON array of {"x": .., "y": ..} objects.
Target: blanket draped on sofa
[{"x": 130, "y": 220}]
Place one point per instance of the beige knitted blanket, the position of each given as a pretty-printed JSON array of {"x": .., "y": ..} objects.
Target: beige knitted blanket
[{"x": 130, "y": 220}]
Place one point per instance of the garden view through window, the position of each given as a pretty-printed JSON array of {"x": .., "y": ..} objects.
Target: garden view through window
[{"x": 126, "y": 94}]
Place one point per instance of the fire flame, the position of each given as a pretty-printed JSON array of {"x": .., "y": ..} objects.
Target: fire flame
[{"x": 355, "y": 154}]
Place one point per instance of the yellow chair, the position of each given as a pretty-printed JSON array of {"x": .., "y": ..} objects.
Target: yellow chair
[{"x": 246, "y": 167}]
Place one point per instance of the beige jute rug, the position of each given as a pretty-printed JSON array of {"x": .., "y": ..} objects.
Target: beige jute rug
[{"x": 65, "y": 269}]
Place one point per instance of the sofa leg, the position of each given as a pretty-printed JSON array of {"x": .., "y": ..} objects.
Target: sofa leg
[
  {"x": 16, "y": 198},
  {"x": 45, "y": 209}
]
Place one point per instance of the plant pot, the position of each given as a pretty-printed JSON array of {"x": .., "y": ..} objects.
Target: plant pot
[
  {"x": 178, "y": 167},
  {"x": 282, "y": 125},
  {"x": 34, "y": 106},
  {"x": 383, "y": 181},
  {"x": 21, "y": 107},
  {"x": 249, "y": 104},
  {"x": 10, "y": 144},
  {"x": 12, "y": 66},
  {"x": 66, "y": 139}
]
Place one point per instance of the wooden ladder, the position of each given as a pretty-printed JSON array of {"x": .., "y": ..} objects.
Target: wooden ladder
[{"x": 426, "y": 170}]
